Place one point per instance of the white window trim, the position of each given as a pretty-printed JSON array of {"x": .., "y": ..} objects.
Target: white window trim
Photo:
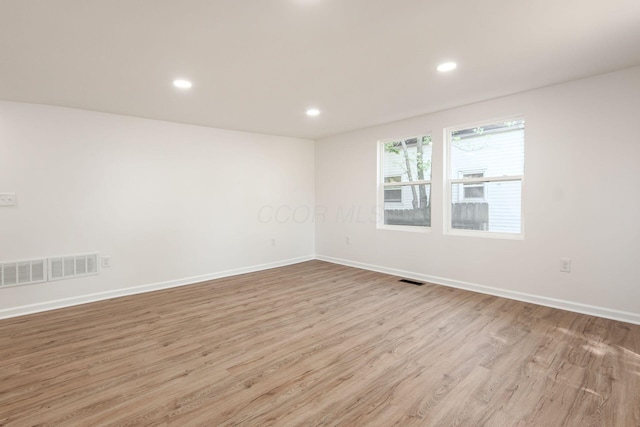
[
  {"x": 448, "y": 230},
  {"x": 381, "y": 186}
]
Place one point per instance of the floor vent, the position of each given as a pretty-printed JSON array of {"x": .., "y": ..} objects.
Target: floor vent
[
  {"x": 412, "y": 282},
  {"x": 70, "y": 266},
  {"x": 23, "y": 272}
]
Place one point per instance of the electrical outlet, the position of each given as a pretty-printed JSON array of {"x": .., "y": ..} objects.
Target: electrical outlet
[
  {"x": 105, "y": 262},
  {"x": 348, "y": 240},
  {"x": 273, "y": 242},
  {"x": 565, "y": 265},
  {"x": 7, "y": 199}
]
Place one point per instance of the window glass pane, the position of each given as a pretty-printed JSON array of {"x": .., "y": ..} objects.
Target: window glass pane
[
  {"x": 490, "y": 151},
  {"x": 392, "y": 194},
  {"x": 500, "y": 212},
  {"x": 474, "y": 191},
  {"x": 413, "y": 208},
  {"x": 407, "y": 160}
]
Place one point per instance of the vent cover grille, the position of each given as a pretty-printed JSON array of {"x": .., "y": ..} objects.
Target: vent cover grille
[
  {"x": 22, "y": 272},
  {"x": 67, "y": 267},
  {"x": 412, "y": 282}
]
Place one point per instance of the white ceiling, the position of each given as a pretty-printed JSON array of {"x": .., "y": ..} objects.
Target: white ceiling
[{"x": 257, "y": 65}]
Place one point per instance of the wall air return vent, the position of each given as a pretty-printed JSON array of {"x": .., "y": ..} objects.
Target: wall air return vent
[
  {"x": 23, "y": 272},
  {"x": 67, "y": 267}
]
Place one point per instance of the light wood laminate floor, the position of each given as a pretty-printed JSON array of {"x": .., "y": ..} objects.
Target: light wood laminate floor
[{"x": 317, "y": 344}]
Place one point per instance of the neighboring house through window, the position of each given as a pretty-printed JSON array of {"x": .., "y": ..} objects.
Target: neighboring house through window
[
  {"x": 473, "y": 192},
  {"x": 392, "y": 194}
]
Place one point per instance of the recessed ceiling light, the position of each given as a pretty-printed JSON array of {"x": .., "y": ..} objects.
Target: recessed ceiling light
[
  {"x": 313, "y": 112},
  {"x": 182, "y": 84},
  {"x": 447, "y": 66}
]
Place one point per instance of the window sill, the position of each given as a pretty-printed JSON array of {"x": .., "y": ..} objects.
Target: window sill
[
  {"x": 409, "y": 228},
  {"x": 485, "y": 234}
]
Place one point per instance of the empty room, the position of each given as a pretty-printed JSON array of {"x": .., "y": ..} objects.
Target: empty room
[{"x": 319, "y": 213}]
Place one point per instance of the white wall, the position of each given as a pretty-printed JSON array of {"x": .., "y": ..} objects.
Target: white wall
[
  {"x": 168, "y": 202},
  {"x": 580, "y": 196},
  {"x": 174, "y": 203}
]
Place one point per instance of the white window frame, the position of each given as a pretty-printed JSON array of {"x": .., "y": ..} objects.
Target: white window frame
[
  {"x": 448, "y": 182},
  {"x": 381, "y": 186}
]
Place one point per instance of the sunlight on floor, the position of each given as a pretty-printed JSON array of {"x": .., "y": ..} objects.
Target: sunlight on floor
[
  {"x": 599, "y": 349},
  {"x": 628, "y": 352},
  {"x": 588, "y": 390},
  {"x": 498, "y": 338}
]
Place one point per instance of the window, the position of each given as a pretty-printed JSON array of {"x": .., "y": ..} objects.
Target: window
[
  {"x": 405, "y": 182},
  {"x": 485, "y": 170},
  {"x": 473, "y": 192},
  {"x": 392, "y": 194}
]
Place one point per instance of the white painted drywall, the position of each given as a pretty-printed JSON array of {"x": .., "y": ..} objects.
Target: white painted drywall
[
  {"x": 581, "y": 198},
  {"x": 166, "y": 201}
]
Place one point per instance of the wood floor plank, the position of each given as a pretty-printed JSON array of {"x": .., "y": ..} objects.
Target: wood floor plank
[{"x": 317, "y": 344}]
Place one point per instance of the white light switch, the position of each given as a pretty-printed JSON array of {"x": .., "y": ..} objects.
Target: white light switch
[{"x": 7, "y": 199}]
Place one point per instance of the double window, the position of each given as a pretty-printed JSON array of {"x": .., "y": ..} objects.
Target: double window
[{"x": 484, "y": 173}]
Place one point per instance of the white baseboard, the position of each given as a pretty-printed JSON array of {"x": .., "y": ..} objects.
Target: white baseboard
[
  {"x": 519, "y": 296},
  {"x": 606, "y": 313},
  {"x": 99, "y": 296}
]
